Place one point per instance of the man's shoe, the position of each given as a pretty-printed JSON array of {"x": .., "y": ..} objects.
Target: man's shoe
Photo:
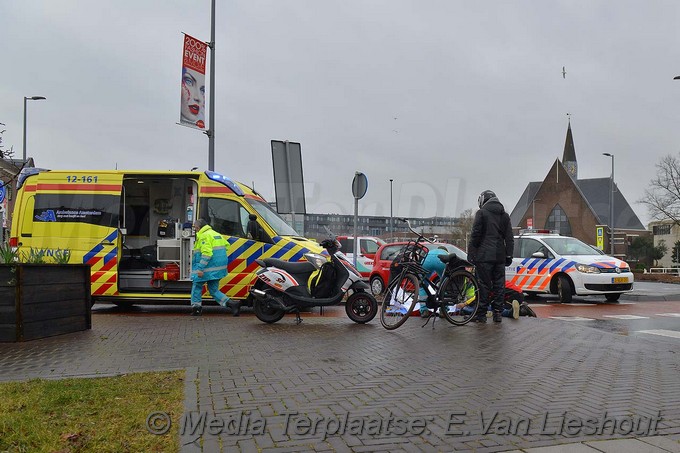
[
  {"x": 523, "y": 309},
  {"x": 530, "y": 312},
  {"x": 497, "y": 317},
  {"x": 196, "y": 310},
  {"x": 425, "y": 313},
  {"x": 479, "y": 319},
  {"x": 515, "y": 309},
  {"x": 235, "y": 307}
]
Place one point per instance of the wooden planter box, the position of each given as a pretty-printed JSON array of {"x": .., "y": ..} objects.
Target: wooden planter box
[{"x": 42, "y": 300}]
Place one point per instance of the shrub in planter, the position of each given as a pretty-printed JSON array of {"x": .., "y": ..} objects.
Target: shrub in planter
[{"x": 40, "y": 299}]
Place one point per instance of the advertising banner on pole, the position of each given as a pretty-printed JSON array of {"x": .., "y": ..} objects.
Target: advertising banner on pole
[{"x": 192, "y": 110}]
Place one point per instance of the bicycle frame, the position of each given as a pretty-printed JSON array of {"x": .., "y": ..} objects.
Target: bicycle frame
[{"x": 456, "y": 290}]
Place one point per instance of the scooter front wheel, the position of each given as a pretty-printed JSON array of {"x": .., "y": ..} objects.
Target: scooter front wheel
[{"x": 361, "y": 307}]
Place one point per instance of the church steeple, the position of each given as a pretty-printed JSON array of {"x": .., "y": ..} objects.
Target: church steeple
[{"x": 569, "y": 156}]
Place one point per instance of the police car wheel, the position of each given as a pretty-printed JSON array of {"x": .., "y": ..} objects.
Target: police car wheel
[
  {"x": 612, "y": 297},
  {"x": 564, "y": 289}
]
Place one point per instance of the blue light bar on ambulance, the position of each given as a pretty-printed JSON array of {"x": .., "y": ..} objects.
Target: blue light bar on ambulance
[
  {"x": 25, "y": 173},
  {"x": 225, "y": 181}
]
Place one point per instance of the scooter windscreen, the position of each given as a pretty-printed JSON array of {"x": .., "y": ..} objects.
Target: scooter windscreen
[{"x": 316, "y": 259}]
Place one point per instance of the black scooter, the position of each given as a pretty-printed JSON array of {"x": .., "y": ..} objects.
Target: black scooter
[{"x": 281, "y": 287}]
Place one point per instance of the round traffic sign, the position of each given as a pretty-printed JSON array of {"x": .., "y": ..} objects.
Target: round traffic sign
[{"x": 359, "y": 185}]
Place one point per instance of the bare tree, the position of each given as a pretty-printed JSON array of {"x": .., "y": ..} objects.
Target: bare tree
[
  {"x": 462, "y": 229},
  {"x": 662, "y": 198},
  {"x": 5, "y": 153}
]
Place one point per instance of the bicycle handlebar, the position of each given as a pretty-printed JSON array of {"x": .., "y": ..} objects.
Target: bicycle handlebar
[{"x": 420, "y": 235}]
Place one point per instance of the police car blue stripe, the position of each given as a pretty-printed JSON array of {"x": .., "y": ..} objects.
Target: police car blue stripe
[{"x": 556, "y": 264}]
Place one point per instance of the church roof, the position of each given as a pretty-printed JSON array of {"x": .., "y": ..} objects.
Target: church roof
[{"x": 596, "y": 193}]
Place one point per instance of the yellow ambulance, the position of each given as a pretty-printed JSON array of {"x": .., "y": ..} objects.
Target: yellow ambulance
[{"x": 133, "y": 228}]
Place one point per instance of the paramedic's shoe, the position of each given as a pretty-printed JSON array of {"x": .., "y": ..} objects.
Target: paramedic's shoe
[
  {"x": 196, "y": 310},
  {"x": 497, "y": 317},
  {"x": 234, "y": 306},
  {"x": 480, "y": 318},
  {"x": 515, "y": 309}
]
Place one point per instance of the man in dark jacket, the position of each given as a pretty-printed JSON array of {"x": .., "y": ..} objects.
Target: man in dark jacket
[{"x": 490, "y": 249}]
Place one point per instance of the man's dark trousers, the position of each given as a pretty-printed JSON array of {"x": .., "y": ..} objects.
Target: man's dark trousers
[{"x": 491, "y": 277}]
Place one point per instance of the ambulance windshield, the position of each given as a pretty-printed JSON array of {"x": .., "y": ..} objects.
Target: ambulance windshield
[{"x": 272, "y": 218}]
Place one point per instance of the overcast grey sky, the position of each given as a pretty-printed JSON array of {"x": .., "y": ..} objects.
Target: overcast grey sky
[{"x": 447, "y": 98}]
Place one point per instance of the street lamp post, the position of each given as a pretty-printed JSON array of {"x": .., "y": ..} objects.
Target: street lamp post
[
  {"x": 32, "y": 98},
  {"x": 611, "y": 206},
  {"x": 391, "y": 222}
]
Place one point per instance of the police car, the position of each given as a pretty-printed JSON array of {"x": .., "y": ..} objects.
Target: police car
[{"x": 549, "y": 263}]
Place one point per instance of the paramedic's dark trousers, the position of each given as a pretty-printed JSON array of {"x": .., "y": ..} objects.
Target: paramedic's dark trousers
[{"x": 491, "y": 278}]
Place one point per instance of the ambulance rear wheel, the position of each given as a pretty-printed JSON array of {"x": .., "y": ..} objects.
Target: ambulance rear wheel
[
  {"x": 564, "y": 289},
  {"x": 361, "y": 307}
]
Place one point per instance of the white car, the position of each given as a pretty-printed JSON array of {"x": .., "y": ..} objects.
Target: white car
[{"x": 553, "y": 264}]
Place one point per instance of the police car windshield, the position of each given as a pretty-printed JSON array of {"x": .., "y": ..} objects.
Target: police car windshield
[
  {"x": 272, "y": 218},
  {"x": 569, "y": 246}
]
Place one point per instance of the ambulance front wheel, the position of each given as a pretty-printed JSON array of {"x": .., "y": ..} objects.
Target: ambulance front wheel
[{"x": 564, "y": 290}]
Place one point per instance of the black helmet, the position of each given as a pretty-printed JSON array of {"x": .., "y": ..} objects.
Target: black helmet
[{"x": 484, "y": 197}]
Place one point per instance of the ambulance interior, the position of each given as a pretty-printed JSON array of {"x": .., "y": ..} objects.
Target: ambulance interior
[{"x": 155, "y": 212}]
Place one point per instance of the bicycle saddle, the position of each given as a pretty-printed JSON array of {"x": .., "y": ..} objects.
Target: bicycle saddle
[{"x": 453, "y": 260}]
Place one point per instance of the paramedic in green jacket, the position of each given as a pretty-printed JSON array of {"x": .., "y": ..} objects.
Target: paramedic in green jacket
[{"x": 208, "y": 266}]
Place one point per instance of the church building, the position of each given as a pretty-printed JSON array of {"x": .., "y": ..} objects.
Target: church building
[{"x": 577, "y": 207}]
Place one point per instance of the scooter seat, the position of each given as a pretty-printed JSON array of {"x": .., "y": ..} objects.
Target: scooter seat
[{"x": 292, "y": 267}]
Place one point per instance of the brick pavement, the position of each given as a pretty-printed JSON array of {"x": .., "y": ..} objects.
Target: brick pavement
[{"x": 333, "y": 371}]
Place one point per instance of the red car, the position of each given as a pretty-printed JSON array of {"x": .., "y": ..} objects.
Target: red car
[{"x": 380, "y": 273}]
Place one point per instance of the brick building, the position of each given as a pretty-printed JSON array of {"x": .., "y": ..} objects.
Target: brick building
[{"x": 576, "y": 207}]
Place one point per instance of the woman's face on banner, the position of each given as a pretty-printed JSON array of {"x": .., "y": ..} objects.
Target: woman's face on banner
[{"x": 193, "y": 97}]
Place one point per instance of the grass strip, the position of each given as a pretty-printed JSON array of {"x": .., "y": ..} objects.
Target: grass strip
[{"x": 107, "y": 414}]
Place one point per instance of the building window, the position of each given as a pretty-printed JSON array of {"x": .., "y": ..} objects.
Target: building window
[
  {"x": 558, "y": 221},
  {"x": 661, "y": 229}
]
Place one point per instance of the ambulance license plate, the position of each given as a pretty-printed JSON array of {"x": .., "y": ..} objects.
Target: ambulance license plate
[{"x": 620, "y": 280}]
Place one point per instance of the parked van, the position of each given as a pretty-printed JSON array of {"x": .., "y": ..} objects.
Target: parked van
[
  {"x": 368, "y": 245},
  {"x": 134, "y": 228}
]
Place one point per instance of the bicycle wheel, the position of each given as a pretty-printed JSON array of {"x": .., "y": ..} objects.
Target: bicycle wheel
[
  {"x": 459, "y": 297},
  {"x": 399, "y": 300}
]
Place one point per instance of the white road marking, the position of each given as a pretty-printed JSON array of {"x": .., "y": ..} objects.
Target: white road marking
[
  {"x": 625, "y": 317},
  {"x": 670, "y": 315},
  {"x": 662, "y": 332},
  {"x": 571, "y": 318}
]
